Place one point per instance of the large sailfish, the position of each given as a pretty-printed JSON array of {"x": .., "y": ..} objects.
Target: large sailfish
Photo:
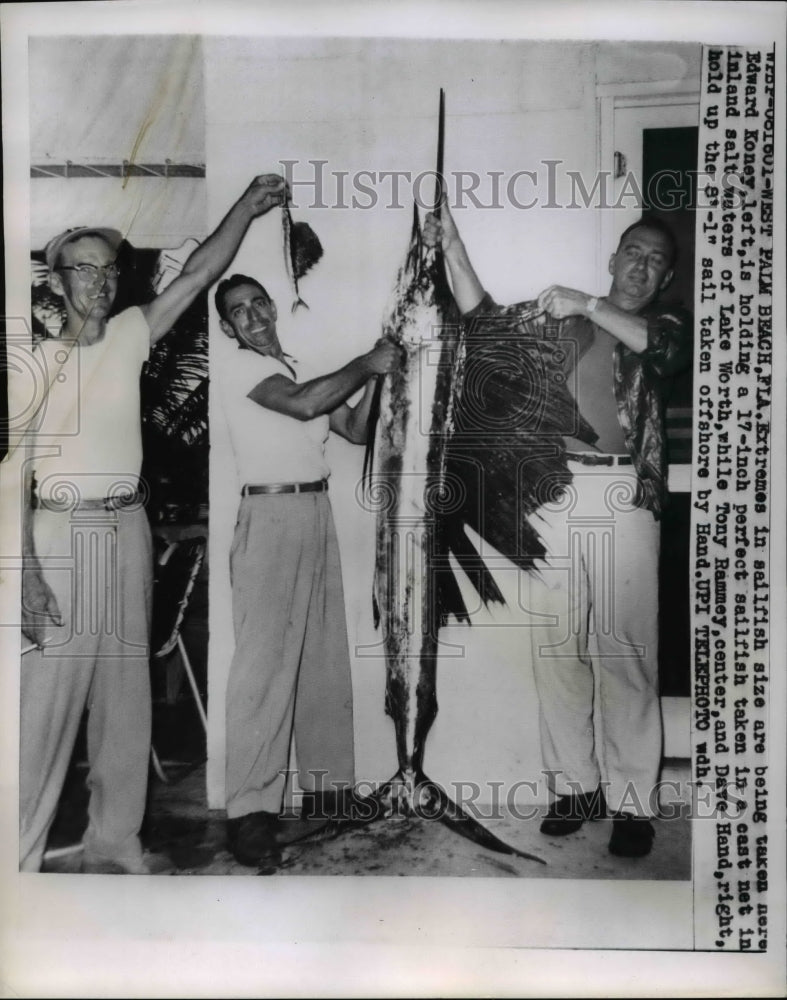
[
  {"x": 469, "y": 433},
  {"x": 413, "y": 497},
  {"x": 417, "y": 503}
]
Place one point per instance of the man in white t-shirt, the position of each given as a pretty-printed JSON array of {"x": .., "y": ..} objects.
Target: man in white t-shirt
[
  {"x": 87, "y": 575},
  {"x": 291, "y": 668}
]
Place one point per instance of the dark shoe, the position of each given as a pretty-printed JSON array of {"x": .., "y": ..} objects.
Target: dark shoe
[
  {"x": 568, "y": 812},
  {"x": 632, "y": 836},
  {"x": 252, "y": 839}
]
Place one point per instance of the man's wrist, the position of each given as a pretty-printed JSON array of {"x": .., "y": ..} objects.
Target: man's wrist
[
  {"x": 243, "y": 210},
  {"x": 455, "y": 251},
  {"x": 362, "y": 367},
  {"x": 592, "y": 305}
]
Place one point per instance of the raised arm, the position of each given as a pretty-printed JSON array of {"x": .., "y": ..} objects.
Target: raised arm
[
  {"x": 328, "y": 392},
  {"x": 627, "y": 327},
  {"x": 468, "y": 290},
  {"x": 630, "y": 329},
  {"x": 213, "y": 257},
  {"x": 662, "y": 334}
]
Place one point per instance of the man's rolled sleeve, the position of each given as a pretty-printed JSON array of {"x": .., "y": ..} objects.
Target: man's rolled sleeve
[
  {"x": 488, "y": 318},
  {"x": 670, "y": 340}
]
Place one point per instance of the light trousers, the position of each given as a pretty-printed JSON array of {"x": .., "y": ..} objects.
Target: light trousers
[
  {"x": 291, "y": 668},
  {"x": 595, "y": 648},
  {"x": 99, "y": 566}
]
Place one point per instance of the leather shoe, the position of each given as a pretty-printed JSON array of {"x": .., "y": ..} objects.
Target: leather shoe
[
  {"x": 632, "y": 836},
  {"x": 252, "y": 839},
  {"x": 568, "y": 812}
]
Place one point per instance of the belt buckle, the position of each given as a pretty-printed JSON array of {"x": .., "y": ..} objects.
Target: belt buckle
[{"x": 120, "y": 501}]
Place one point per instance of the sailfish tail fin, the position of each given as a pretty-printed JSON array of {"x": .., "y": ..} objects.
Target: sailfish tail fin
[
  {"x": 460, "y": 821},
  {"x": 429, "y": 802}
]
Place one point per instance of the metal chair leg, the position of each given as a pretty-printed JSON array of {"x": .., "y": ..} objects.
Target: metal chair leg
[
  {"x": 63, "y": 852},
  {"x": 157, "y": 765},
  {"x": 192, "y": 682}
]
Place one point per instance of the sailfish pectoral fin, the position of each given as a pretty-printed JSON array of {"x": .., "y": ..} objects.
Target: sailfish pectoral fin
[
  {"x": 375, "y": 610},
  {"x": 371, "y": 433}
]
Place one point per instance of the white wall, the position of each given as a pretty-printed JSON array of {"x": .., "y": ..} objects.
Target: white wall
[
  {"x": 647, "y": 62},
  {"x": 102, "y": 100}
]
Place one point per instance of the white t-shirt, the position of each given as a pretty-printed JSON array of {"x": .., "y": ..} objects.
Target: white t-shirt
[
  {"x": 87, "y": 432},
  {"x": 268, "y": 447}
]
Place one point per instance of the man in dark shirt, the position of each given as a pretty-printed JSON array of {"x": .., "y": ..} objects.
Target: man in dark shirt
[{"x": 594, "y": 646}]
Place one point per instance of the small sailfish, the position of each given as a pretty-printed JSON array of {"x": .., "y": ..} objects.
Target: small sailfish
[{"x": 302, "y": 250}]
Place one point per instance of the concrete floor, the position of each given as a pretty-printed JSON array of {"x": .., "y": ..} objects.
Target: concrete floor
[{"x": 180, "y": 825}]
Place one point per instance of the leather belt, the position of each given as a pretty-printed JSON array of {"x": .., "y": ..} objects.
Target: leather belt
[
  {"x": 320, "y": 486},
  {"x": 107, "y": 503},
  {"x": 590, "y": 458}
]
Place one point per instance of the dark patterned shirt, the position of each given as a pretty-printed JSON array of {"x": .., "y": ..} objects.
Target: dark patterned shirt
[{"x": 638, "y": 379}]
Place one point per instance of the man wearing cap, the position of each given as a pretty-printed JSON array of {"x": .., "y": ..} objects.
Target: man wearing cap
[
  {"x": 291, "y": 667},
  {"x": 594, "y": 598},
  {"x": 87, "y": 574}
]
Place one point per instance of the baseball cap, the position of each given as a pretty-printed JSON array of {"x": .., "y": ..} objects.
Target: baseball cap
[{"x": 56, "y": 244}]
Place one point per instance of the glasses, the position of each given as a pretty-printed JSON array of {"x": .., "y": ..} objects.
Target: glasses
[{"x": 89, "y": 272}]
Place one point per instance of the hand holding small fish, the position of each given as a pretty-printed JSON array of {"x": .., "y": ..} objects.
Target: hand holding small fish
[
  {"x": 561, "y": 302},
  {"x": 265, "y": 192}
]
